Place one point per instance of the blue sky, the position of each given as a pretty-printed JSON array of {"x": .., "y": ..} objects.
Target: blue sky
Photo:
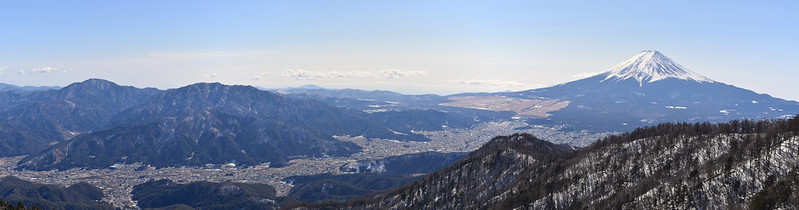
[{"x": 439, "y": 47}]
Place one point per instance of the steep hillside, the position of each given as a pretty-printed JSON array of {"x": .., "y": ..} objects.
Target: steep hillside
[
  {"x": 342, "y": 187},
  {"x": 473, "y": 182},
  {"x": 674, "y": 166},
  {"x": 33, "y": 120},
  {"x": 200, "y": 124},
  {"x": 214, "y": 123},
  {"x": 205, "y": 195},
  {"x": 409, "y": 164},
  {"x": 368, "y": 176},
  {"x": 77, "y": 196}
]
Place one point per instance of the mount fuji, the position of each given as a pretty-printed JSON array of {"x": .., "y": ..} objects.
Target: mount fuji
[
  {"x": 647, "y": 89},
  {"x": 651, "y": 66}
]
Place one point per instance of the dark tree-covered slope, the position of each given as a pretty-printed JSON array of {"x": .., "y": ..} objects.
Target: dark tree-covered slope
[
  {"x": 342, "y": 187},
  {"x": 32, "y": 120},
  {"x": 674, "y": 165},
  {"x": 472, "y": 182},
  {"x": 199, "y": 124},
  {"x": 670, "y": 166},
  {"x": 214, "y": 123},
  {"x": 368, "y": 176},
  {"x": 205, "y": 195},
  {"x": 77, "y": 196},
  {"x": 409, "y": 164}
]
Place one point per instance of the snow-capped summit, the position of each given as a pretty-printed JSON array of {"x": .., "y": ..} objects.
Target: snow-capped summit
[
  {"x": 649, "y": 89},
  {"x": 650, "y": 66}
]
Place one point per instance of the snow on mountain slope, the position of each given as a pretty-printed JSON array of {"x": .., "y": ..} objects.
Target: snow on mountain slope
[
  {"x": 650, "y": 66},
  {"x": 650, "y": 88}
]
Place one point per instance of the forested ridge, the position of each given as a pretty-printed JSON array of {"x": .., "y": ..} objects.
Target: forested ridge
[
  {"x": 16, "y": 193},
  {"x": 739, "y": 164}
]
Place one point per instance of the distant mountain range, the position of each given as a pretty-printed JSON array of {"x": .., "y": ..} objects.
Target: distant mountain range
[
  {"x": 647, "y": 89},
  {"x": 13, "y": 88},
  {"x": 97, "y": 123},
  {"x": 208, "y": 123},
  {"x": 34, "y": 120}
]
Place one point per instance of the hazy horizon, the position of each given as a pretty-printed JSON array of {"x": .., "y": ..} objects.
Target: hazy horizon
[{"x": 411, "y": 47}]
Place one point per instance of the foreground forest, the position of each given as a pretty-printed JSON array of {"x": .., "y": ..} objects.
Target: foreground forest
[{"x": 740, "y": 164}]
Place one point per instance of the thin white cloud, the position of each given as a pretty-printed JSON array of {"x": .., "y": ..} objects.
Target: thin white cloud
[
  {"x": 499, "y": 84},
  {"x": 3, "y": 68},
  {"x": 210, "y": 54},
  {"x": 41, "y": 70},
  {"x": 209, "y": 76},
  {"x": 299, "y": 74},
  {"x": 260, "y": 76},
  {"x": 585, "y": 75},
  {"x": 399, "y": 73}
]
